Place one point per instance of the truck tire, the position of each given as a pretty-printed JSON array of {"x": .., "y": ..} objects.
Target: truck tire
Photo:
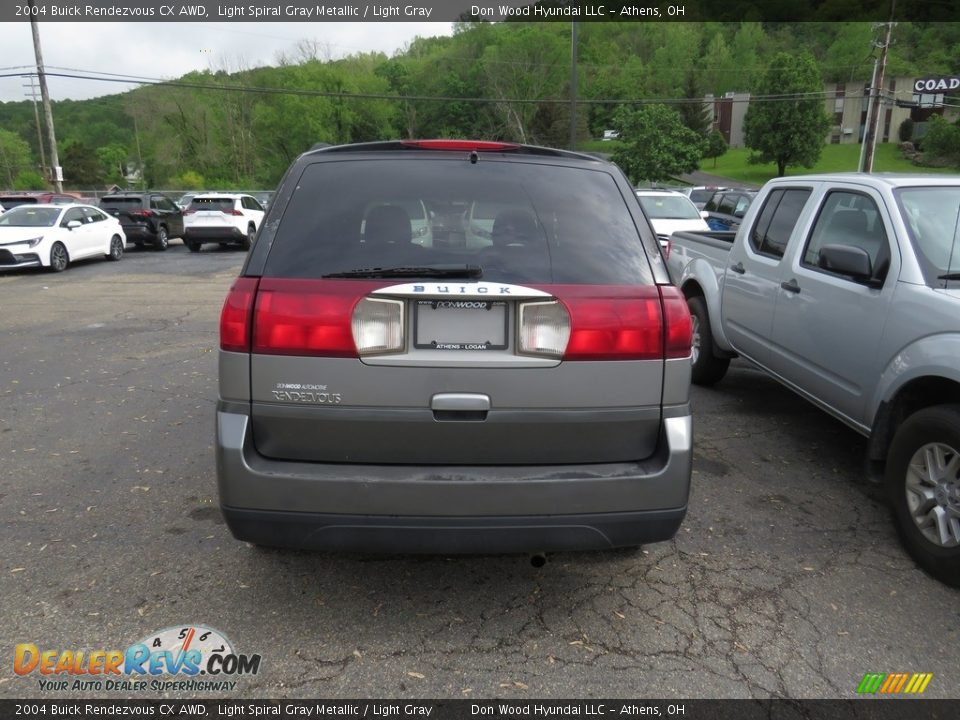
[
  {"x": 923, "y": 483},
  {"x": 707, "y": 368}
]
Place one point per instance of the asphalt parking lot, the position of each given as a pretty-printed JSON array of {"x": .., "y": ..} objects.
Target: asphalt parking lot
[{"x": 786, "y": 578}]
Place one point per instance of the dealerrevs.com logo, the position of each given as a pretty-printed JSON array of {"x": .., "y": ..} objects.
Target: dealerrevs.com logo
[{"x": 189, "y": 658}]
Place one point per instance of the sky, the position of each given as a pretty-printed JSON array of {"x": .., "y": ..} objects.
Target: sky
[{"x": 168, "y": 50}]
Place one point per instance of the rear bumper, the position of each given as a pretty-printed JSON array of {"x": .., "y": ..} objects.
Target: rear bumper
[
  {"x": 213, "y": 234},
  {"x": 451, "y": 509}
]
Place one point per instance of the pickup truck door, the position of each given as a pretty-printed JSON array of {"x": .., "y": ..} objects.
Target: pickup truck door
[
  {"x": 752, "y": 278},
  {"x": 827, "y": 327}
]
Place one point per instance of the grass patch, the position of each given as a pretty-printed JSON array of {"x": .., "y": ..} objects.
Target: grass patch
[{"x": 834, "y": 158}]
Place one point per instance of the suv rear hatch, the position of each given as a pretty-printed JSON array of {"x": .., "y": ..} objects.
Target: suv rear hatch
[
  {"x": 215, "y": 212},
  {"x": 536, "y": 338},
  {"x": 128, "y": 209}
]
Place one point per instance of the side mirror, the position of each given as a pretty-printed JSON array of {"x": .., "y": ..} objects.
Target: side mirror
[
  {"x": 73, "y": 224},
  {"x": 846, "y": 260},
  {"x": 704, "y": 214}
]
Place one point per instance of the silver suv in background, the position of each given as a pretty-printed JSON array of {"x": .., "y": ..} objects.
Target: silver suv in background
[{"x": 520, "y": 389}]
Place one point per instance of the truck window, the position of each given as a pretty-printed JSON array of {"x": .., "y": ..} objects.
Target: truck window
[
  {"x": 776, "y": 221},
  {"x": 848, "y": 218}
]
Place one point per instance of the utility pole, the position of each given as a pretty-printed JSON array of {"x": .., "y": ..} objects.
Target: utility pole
[
  {"x": 36, "y": 117},
  {"x": 573, "y": 85},
  {"x": 876, "y": 87},
  {"x": 55, "y": 169}
]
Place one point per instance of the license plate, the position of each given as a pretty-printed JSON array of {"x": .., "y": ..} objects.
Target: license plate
[{"x": 461, "y": 325}]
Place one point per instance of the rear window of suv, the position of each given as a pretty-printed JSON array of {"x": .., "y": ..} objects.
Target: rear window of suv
[
  {"x": 125, "y": 201},
  {"x": 520, "y": 222},
  {"x": 212, "y": 204}
]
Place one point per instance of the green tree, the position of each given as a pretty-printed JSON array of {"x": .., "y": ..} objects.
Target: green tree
[
  {"x": 81, "y": 167},
  {"x": 113, "y": 162},
  {"x": 655, "y": 145},
  {"x": 696, "y": 115},
  {"x": 941, "y": 144},
  {"x": 14, "y": 157},
  {"x": 787, "y": 130},
  {"x": 716, "y": 146},
  {"x": 29, "y": 180}
]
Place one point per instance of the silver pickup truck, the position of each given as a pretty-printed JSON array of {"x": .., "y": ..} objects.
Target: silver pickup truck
[{"x": 846, "y": 288}]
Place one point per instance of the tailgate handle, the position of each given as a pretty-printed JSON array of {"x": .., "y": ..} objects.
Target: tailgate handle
[{"x": 460, "y": 402}]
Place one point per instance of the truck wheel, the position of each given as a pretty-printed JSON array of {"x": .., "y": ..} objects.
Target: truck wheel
[
  {"x": 707, "y": 367},
  {"x": 923, "y": 483}
]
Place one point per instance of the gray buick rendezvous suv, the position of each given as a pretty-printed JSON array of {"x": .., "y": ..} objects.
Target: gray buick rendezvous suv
[{"x": 454, "y": 346}]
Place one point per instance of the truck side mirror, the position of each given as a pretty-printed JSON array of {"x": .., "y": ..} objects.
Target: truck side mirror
[{"x": 846, "y": 260}]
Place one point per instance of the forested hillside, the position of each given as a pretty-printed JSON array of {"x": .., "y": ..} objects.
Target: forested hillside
[{"x": 241, "y": 127}]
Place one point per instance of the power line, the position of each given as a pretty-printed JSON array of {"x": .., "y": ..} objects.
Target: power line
[{"x": 125, "y": 79}]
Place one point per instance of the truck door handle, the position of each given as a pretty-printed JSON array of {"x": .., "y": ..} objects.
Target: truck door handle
[
  {"x": 790, "y": 286},
  {"x": 738, "y": 268}
]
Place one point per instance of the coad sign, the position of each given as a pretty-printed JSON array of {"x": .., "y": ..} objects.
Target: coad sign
[{"x": 936, "y": 84}]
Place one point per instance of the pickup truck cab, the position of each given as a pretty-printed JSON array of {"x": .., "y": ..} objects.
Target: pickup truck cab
[{"x": 846, "y": 288}]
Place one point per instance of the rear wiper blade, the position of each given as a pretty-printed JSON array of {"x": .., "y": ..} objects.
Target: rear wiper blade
[
  {"x": 949, "y": 276},
  {"x": 430, "y": 271}
]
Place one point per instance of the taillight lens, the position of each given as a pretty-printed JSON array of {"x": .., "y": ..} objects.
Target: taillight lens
[
  {"x": 142, "y": 213},
  {"x": 305, "y": 317},
  {"x": 236, "y": 314},
  {"x": 613, "y": 323},
  {"x": 679, "y": 334},
  {"x": 544, "y": 328},
  {"x": 234, "y": 212},
  {"x": 378, "y": 326}
]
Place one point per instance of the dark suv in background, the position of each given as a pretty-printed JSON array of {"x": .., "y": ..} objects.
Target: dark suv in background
[
  {"x": 146, "y": 217},
  {"x": 452, "y": 346}
]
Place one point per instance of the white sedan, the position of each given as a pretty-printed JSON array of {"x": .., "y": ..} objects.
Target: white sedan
[
  {"x": 53, "y": 236},
  {"x": 670, "y": 212}
]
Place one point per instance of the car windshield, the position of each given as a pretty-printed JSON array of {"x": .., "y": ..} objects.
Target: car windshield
[
  {"x": 701, "y": 196},
  {"x": 932, "y": 216},
  {"x": 668, "y": 207},
  {"x": 27, "y": 216},
  {"x": 212, "y": 204}
]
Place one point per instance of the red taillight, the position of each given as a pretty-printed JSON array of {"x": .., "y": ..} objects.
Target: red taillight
[
  {"x": 679, "y": 335},
  {"x": 667, "y": 249},
  {"x": 234, "y": 212},
  {"x": 612, "y": 323},
  {"x": 307, "y": 317},
  {"x": 467, "y": 145},
  {"x": 236, "y": 315},
  {"x": 141, "y": 213},
  {"x": 189, "y": 212}
]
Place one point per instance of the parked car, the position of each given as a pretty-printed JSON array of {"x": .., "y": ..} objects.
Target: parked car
[
  {"x": 726, "y": 208},
  {"x": 263, "y": 197},
  {"x": 610, "y": 135},
  {"x": 53, "y": 236},
  {"x": 147, "y": 217},
  {"x": 522, "y": 392},
  {"x": 225, "y": 218},
  {"x": 669, "y": 212},
  {"x": 846, "y": 288},
  {"x": 700, "y": 194},
  {"x": 14, "y": 199}
]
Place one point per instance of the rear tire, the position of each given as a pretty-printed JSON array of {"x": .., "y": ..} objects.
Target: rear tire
[
  {"x": 706, "y": 368},
  {"x": 116, "y": 248},
  {"x": 192, "y": 245},
  {"x": 163, "y": 239},
  {"x": 923, "y": 483},
  {"x": 248, "y": 240}
]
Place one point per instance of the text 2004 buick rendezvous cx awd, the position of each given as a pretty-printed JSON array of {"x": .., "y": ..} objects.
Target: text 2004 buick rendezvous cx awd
[{"x": 452, "y": 346}]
